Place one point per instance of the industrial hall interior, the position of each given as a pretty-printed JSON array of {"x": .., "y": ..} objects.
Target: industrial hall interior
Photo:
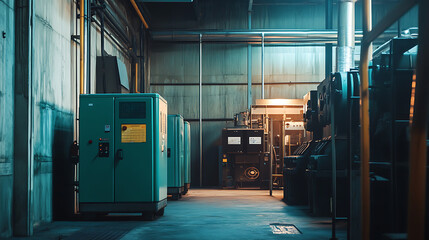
[{"x": 214, "y": 119}]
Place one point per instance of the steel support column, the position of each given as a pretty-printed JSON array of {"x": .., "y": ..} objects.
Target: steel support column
[
  {"x": 88, "y": 17},
  {"x": 200, "y": 93},
  {"x": 82, "y": 46},
  {"x": 334, "y": 164},
  {"x": 262, "y": 66},
  {"x": 365, "y": 56},
  {"x": 249, "y": 58},
  {"x": 328, "y": 46},
  {"x": 271, "y": 154},
  {"x": 418, "y": 146}
]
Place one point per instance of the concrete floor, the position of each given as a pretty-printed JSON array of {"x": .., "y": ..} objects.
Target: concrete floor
[{"x": 202, "y": 214}]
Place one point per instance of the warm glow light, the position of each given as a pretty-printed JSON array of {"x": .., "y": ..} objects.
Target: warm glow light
[
  {"x": 280, "y": 102},
  {"x": 413, "y": 90}
]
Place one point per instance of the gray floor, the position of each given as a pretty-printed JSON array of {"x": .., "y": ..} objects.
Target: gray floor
[{"x": 202, "y": 214}]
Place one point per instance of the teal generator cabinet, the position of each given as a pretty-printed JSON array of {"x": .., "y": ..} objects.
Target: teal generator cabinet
[
  {"x": 187, "y": 156},
  {"x": 122, "y": 153},
  {"x": 175, "y": 153}
]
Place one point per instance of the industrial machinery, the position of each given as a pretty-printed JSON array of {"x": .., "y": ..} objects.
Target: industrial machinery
[
  {"x": 335, "y": 128},
  {"x": 253, "y": 151},
  {"x": 187, "y": 156},
  {"x": 295, "y": 183},
  {"x": 332, "y": 131},
  {"x": 245, "y": 163},
  {"x": 123, "y": 155},
  {"x": 295, "y": 166},
  {"x": 282, "y": 121},
  {"x": 176, "y": 156},
  {"x": 392, "y": 77}
]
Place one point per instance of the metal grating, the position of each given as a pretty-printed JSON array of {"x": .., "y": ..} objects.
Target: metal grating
[
  {"x": 98, "y": 234},
  {"x": 108, "y": 232},
  {"x": 279, "y": 228}
]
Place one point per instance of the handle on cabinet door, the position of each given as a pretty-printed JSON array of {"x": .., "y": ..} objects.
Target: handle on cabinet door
[{"x": 120, "y": 154}]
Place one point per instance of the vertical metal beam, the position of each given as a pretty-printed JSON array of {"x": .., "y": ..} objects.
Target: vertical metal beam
[
  {"x": 142, "y": 59},
  {"x": 88, "y": 17},
  {"x": 136, "y": 81},
  {"x": 346, "y": 35},
  {"x": 262, "y": 66},
  {"x": 102, "y": 33},
  {"x": 334, "y": 162},
  {"x": 366, "y": 54},
  {"x": 102, "y": 49},
  {"x": 200, "y": 89},
  {"x": 271, "y": 131},
  {"x": 82, "y": 46},
  {"x": 417, "y": 177},
  {"x": 328, "y": 46},
  {"x": 249, "y": 59}
]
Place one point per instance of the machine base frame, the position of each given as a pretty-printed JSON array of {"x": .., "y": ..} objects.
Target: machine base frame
[
  {"x": 175, "y": 190},
  {"x": 130, "y": 207}
]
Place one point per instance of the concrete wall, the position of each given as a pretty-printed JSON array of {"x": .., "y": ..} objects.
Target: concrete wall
[
  {"x": 55, "y": 74},
  {"x": 177, "y": 63},
  {"x": 50, "y": 68},
  {"x": 7, "y": 58},
  {"x": 52, "y": 98}
]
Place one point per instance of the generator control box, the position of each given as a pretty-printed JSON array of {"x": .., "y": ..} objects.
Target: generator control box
[
  {"x": 123, "y": 153},
  {"x": 187, "y": 156},
  {"x": 176, "y": 156}
]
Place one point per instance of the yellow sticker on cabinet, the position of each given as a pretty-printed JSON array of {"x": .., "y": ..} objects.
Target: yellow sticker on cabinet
[{"x": 133, "y": 133}]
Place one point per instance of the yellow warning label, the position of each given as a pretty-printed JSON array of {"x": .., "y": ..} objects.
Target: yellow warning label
[{"x": 133, "y": 133}]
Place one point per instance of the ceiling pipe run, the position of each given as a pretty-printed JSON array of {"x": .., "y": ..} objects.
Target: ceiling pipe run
[
  {"x": 248, "y": 36},
  {"x": 255, "y": 36},
  {"x": 346, "y": 35}
]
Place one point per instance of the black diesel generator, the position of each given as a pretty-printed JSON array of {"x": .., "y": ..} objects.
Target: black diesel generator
[{"x": 245, "y": 164}]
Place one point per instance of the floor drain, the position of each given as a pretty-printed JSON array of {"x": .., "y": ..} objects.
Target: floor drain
[{"x": 279, "y": 228}]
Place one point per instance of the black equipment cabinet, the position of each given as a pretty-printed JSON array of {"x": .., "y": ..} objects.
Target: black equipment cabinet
[
  {"x": 244, "y": 162},
  {"x": 391, "y": 82},
  {"x": 295, "y": 184}
]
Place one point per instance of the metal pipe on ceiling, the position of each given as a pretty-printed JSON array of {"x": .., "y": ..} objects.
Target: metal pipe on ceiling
[
  {"x": 291, "y": 36},
  {"x": 346, "y": 35}
]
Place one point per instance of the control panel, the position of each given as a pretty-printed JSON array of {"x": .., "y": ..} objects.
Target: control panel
[
  {"x": 294, "y": 125},
  {"x": 103, "y": 149}
]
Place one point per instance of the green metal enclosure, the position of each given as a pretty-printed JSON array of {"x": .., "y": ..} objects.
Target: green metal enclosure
[
  {"x": 123, "y": 155},
  {"x": 176, "y": 158},
  {"x": 187, "y": 156}
]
